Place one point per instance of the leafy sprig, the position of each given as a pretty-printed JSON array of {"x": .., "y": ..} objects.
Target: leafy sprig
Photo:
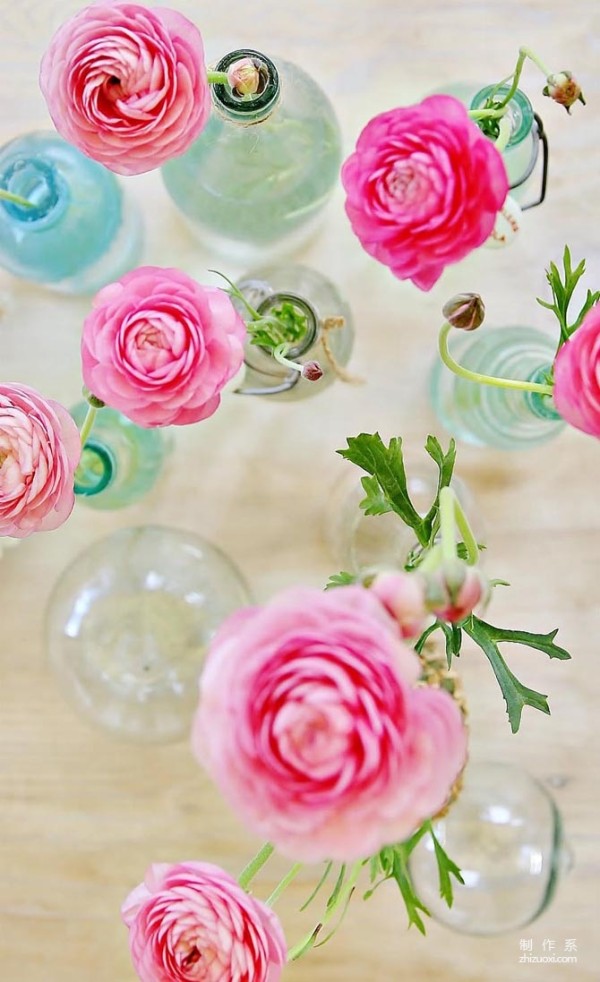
[
  {"x": 563, "y": 287},
  {"x": 285, "y": 324}
]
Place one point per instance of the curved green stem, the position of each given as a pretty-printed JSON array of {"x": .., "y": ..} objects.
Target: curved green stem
[
  {"x": 216, "y": 78},
  {"x": 447, "y": 524},
  {"x": 285, "y": 882},
  {"x": 15, "y": 199},
  {"x": 342, "y": 898},
  {"x": 466, "y": 533},
  {"x": 279, "y": 355},
  {"x": 504, "y": 134},
  {"x": 256, "y": 863},
  {"x": 501, "y": 383},
  {"x": 88, "y": 423}
]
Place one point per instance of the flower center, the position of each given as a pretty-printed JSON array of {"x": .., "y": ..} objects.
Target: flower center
[
  {"x": 150, "y": 336},
  {"x": 192, "y": 958}
]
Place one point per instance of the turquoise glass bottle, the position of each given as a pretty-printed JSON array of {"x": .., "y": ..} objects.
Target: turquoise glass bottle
[
  {"x": 79, "y": 232},
  {"x": 254, "y": 184},
  {"x": 120, "y": 461},
  {"x": 487, "y": 415}
]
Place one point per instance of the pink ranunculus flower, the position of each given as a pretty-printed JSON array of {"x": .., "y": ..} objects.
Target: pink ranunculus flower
[
  {"x": 311, "y": 724},
  {"x": 191, "y": 921},
  {"x": 424, "y": 187},
  {"x": 39, "y": 451},
  {"x": 159, "y": 347},
  {"x": 403, "y": 596},
  {"x": 126, "y": 84},
  {"x": 577, "y": 376}
]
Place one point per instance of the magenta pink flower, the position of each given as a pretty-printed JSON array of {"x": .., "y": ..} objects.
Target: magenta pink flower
[
  {"x": 159, "y": 347},
  {"x": 311, "y": 723},
  {"x": 424, "y": 187},
  {"x": 127, "y": 85},
  {"x": 39, "y": 451},
  {"x": 577, "y": 376},
  {"x": 191, "y": 921}
]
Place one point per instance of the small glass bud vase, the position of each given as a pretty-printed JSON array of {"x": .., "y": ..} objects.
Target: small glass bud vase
[
  {"x": 128, "y": 624},
  {"x": 253, "y": 186},
  {"x": 120, "y": 461},
  {"x": 489, "y": 416},
  {"x": 79, "y": 232},
  {"x": 505, "y": 834},
  {"x": 328, "y": 338},
  {"x": 522, "y": 150}
]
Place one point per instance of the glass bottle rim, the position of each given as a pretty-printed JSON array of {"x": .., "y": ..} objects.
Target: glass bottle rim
[
  {"x": 244, "y": 109},
  {"x": 522, "y": 104},
  {"x": 96, "y": 469},
  {"x": 312, "y": 323},
  {"x": 30, "y": 176}
]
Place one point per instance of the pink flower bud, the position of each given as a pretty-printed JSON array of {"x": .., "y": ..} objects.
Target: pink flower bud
[
  {"x": 564, "y": 89},
  {"x": 312, "y": 371},
  {"x": 403, "y": 596},
  {"x": 454, "y": 590},
  {"x": 465, "y": 311},
  {"x": 244, "y": 77}
]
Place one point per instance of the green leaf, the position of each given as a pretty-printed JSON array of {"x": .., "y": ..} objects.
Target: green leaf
[
  {"x": 516, "y": 695},
  {"x": 340, "y": 579},
  {"x": 375, "y": 502},
  {"x": 386, "y": 464},
  {"x": 445, "y": 464},
  {"x": 562, "y": 293},
  {"x": 453, "y": 636},
  {"x": 332, "y": 899},
  {"x": 414, "y": 906},
  {"x": 446, "y": 869},
  {"x": 321, "y": 882}
]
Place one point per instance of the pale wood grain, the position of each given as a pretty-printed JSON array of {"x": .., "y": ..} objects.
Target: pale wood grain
[{"x": 82, "y": 816}]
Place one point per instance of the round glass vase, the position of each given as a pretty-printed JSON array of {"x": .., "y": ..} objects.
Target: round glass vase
[
  {"x": 79, "y": 232},
  {"x": 328, "y": 337},
  {"x": 253, "y": 186},
  {"x": 505, "y": 834},
  {"x": 522, "y": 150},
  {"x": 359, "y": 542},
  {"x": 128, "y": 624},
  {"x": 490, "y": 416},
  {"x": 120, "y": 461}
]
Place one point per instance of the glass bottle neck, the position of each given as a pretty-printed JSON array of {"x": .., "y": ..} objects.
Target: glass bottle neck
[
  {"x": 246, "y": 110},
  {"x": 301, "y": 306},
  {"x": 96, "y": 469},
  {"x": 541, "y": 405},
  {"x": 38, "y": 181},
  {"x": 520, "y": 111}
]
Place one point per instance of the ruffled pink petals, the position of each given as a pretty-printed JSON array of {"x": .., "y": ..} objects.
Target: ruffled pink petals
[{"x": 577, "y": 376}]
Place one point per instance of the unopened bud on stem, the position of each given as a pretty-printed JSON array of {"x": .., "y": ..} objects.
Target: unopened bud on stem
[
  {"x": 465, "y": 311},
  {"x": 563, "y": 89}
]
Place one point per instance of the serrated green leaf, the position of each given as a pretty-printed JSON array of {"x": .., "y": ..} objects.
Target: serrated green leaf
[
  {"x": 340, "y": 579},
  {"x": 445, "y": 464},
  {"x": 446, "y": 868},
  {"x": 375, "y": 502},
  {"x": 414, "y": 906},
  {"x": 453, "y": 638},
  {"x": 333, "y": 897}
]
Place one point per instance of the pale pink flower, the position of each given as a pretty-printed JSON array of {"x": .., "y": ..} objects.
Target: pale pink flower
[
  {"x": 403, "y": 596},
  {"x": 159, "y": 347},
  {"x": 126, "y": 84},
  {"x": 424, "y": 187},
  {"x": 577, "y": 376},
  {"x": 191, "y": 921},
  {"x": 39, "y": 451},
  {"x": 454, "y": 590},
  {"x": 311, "y": 724}
]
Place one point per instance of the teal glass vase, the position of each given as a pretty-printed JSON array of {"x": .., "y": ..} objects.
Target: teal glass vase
[
  {"x": 253, "y": 186},
  {"x": 319, "y": 301},
  {"x": 489, "y": 416},
  {"x": 79, "y": 231},
  {"x": 128, "y": 625},
  {"x": 120, "y": 461}
]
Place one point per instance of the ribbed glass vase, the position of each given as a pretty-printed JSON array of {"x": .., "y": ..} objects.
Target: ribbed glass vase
[
  {"x": 487, "y": 415},
  {"x": 79, "y": 232}
]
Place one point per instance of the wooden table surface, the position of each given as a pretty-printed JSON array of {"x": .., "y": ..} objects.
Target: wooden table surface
[{"x": 82, "y": 816}]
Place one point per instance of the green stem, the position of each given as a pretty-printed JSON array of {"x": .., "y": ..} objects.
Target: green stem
[
  {"x": 279, "y": 355},
  {"x": 516, "y": 77},
  {"x": 15, "y": 199},
  {"x": 504, "y": 134},
  {"x": 88, "y": 423},
  {"x": 447, "y": 524},
  {"x": 466, "y": 533},
  {"x": 285, "y": 882},
  {"x": 343, "y": 896},
  {"x": 216, "y": 78},
  {"x": 501, "y": 383},
  {"x": 256, "y": 863}
]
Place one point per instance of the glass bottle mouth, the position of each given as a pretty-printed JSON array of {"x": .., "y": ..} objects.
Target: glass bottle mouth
[
  {"x": 312, "y": 325},
  {"x": 520, "y": 111},
  {"x": 539, "y": 404},
  {"x": 36, "y": 181},
  {"x": 95, "y": 470},
  {"x": 247, "y": 109}
]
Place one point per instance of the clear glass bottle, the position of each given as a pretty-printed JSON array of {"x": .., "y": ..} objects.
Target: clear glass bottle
[
  {"x": 128, "y": 624},
  {"x": 253, "y": 186},
  {"x": 80, "y": 233},
  {"x": 505, "y": 834},
  {"x": 359, "y": 542},
  {"x": 120, "y": 461},
  {"x": 319, "y": 301},
  {"x": 489, "y": 416},
  {"x": 522, "y": 150}
]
